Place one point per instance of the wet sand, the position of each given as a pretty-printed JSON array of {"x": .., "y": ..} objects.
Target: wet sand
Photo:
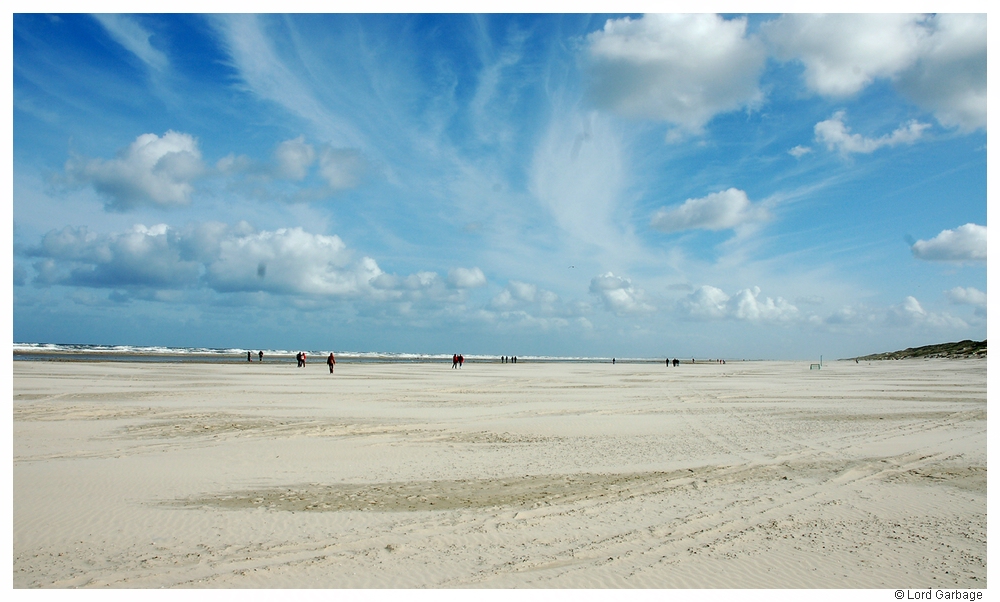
[{"x": 747, "y": 475}]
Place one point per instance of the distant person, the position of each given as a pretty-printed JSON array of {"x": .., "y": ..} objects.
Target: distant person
[
  {"x": 612, "y": 361},
  {"x": 248, "y": 357},
  {"x": 298, "y": 359},
  {"x": 676, "y": 362},
  {"x": 461, "y": 360},
  {"x": 303, "y": 359},
  {"x": 454, "y": 360},
  {"x": 260, "y": 356},
  {"x": 331, "y": 362}
]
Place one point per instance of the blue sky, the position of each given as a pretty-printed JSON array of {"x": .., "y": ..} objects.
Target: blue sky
[{"x": 735, "y": 186}]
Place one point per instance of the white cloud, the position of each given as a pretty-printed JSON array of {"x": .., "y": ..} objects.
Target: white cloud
[
  {"x": 966, "y": 296},
  {"x": 681, "y": 68},
  {"x": 233, "y": 164},
  {"x": 908, "y": 314},
  {"x": 965, "y": 243},
  {"x": 843, "y": 53},
  {"x": 223, "y": 258},
  {"x": 341, "y": 168},
  {"x": 466, "y": 277},
  {"x": 151, "y": 170},
  {"x": 619, "y": 295},
  {"x": 799, "y": 151},
  {"x": 134, "y": 38},
  {"x": 705, "y": 302},
  {"x": 289, "y": 261},
  {"x": 516, "y": 293},
  {"x": 837, "y": 136},
  {"x": 143, "y": 257},
  {"x": 709, "y": 302},
  {"x": 293, "y": 158},
  {"x": 938, "y": 61},
  {"x": 950, "y": 76},
  {"x": 717, "y": 211}
]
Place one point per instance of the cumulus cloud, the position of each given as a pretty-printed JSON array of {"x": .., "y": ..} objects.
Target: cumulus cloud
[
  {"x": 151, "y": 170},
  {"x": 843, "y": 53},
  {"x": 341, "y": 168},
  {"x": 217, "y": 256},
  {"x": 293, "y": 158},
  {"x": 516, "y": 293},
  {"x": 144, "y": 256},
  {"x": 799, "y": 151},
  {"x": 966, "y": 296},
  {"x": 709, "y": 302},
  {"x": 289, "y": 261},
  {"x": 618, "y": 294},
  {"x": 908, "y": 314},
  {"x": 466, "y": 278},
  {"x": 949, "y": 78},
  {"x": 938, "y": 61},
  {"x": 681, "y": 68},
  {"x": 911, "y": 313},
  {"x": 837, "y": 136},
  {"x": 717, "y": 211},
  {"x": 965, "y": 243}
]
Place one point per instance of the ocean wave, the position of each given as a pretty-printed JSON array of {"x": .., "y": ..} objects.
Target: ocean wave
[{"x": 28, "y": 351}]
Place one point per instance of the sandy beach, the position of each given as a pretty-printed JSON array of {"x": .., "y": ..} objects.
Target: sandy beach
[{"x": 744, "y": 475}]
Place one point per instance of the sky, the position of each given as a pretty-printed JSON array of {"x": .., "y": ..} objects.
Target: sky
[{"x": 716, "y": 186}]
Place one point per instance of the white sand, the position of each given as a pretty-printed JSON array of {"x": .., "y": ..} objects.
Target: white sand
[{"x": 747, "y": 475}]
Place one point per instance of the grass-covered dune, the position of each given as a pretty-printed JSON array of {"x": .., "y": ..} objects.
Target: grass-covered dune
[{"x": 961, "y": 349}]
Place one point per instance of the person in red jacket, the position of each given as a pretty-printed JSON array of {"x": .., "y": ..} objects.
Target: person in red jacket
[{"x": 330, "y": 361}]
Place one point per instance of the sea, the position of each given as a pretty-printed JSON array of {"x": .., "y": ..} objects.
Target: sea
[{"x": 129, "y": 353}]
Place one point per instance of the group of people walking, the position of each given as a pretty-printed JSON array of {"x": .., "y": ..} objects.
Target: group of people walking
[
  {"x": 300, "y": 357},
  {"x": 457, "y": 360},
  {"x": 508, "y": 359}
]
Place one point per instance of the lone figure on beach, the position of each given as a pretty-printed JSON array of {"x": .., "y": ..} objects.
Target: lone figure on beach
[
  {"x": 260, "y": 355},
  {"x": 330, "y": 361},
  {"x": 248, "y": 357}
]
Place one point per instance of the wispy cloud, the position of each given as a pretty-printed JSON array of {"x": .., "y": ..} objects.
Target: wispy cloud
[{"x": 134, "y": 38}]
